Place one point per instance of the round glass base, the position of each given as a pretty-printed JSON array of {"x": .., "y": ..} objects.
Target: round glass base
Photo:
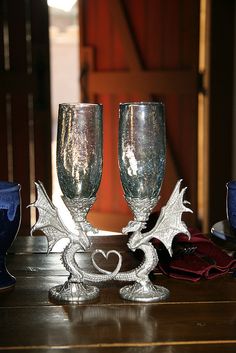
[
  {"x": 144, "y": 292},
  {"x": 73, "y": 292}
]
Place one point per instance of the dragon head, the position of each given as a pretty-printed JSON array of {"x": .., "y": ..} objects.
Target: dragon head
[
  {"x": 136, "y": 238},
  {"x": 134, "y": 226}
]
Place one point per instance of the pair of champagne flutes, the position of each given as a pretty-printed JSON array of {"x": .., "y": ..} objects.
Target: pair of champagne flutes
[{"x": 141, "y": 154}]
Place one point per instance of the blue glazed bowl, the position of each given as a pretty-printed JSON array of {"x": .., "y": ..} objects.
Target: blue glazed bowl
[
  {"x": 10, "y": 218},
  {"x": 231, "y": 205}
]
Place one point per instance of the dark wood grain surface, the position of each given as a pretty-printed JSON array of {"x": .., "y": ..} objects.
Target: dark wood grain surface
[{"x": 197, "y": 317}]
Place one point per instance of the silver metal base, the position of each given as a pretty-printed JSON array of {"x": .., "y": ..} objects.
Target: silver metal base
[
  {"x": 73, "y": 292},
  {"x": 146, "y": 292},
  {"x": 167, "y": 226}
]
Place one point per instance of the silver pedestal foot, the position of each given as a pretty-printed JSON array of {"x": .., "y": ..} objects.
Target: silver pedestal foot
[
  {"x": 73, "y": 292},
  {"x": 144, "y": 292}
]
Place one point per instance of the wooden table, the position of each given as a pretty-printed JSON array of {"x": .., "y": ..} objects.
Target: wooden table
[{"x": 197, "y": 317}]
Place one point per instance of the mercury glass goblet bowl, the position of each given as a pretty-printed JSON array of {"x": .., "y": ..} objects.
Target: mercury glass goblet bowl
[
  {"x": 79, "y": 155},
  {"x": 142, "y": 154}
]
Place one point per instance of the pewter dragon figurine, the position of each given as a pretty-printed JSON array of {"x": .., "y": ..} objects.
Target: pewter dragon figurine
[
  {"x": 167, "y": 226},
  {"x": 49, "y": 221}
]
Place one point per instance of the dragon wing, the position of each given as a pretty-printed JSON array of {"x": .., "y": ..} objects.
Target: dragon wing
[
  {"x": 169, "y": 222},
  {"x": 49, "y": 220}
]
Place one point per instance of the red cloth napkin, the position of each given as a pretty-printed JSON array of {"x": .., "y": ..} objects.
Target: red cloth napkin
[{"x": 207, "y": 261}]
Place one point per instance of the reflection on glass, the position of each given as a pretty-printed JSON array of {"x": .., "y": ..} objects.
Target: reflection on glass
[
  {"x": 79, "y": 149},
  {"x": 142, "y": 148}
]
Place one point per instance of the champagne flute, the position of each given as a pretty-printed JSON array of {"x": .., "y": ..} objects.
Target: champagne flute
[
  {"x": 142, "y": 155},
  {"x": 79, "y": 157},
  {"x": 79, "y": 170},
  {"x": 142, "y": 150}
]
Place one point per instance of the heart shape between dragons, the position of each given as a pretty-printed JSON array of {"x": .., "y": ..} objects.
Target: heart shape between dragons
[{"x": 106, "y": 256}]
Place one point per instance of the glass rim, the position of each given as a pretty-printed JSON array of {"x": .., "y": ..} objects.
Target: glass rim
[
  {"x": 231, "y": 184},
  {"x": 6, "y": 186},
  {"x": 78, "y": 104},
  {"x": 139, "y": 104}
]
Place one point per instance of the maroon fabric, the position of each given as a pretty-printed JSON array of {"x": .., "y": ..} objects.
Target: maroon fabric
[{"x": 207, "y": 261}]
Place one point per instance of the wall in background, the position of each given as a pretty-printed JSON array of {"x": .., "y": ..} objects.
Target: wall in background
[{"x": 64, "y": 70}]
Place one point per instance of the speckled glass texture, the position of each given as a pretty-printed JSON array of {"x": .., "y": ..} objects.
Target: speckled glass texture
[
  {"x": 79, "y": 149},
  {"x": 142, "y": 148}
]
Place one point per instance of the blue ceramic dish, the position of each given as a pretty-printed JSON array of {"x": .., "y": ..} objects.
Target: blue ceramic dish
[
  {"x": 10, "y": 218},
  {"x": 231, "y": 205}
]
